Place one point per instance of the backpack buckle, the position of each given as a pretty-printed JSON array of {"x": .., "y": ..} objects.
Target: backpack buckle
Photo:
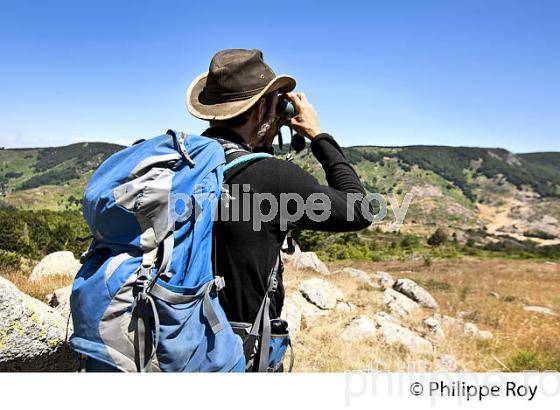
[{"x": 219, "y": 282}]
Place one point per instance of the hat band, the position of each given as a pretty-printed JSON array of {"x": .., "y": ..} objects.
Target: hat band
[{"x": 217, "y": 98}]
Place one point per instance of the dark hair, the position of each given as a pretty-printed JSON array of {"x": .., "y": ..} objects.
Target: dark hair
[{"x": 241, "y": 119}]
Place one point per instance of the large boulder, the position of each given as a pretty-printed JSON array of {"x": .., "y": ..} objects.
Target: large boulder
[
  {"x": 56, "y": 263},
  {"x": 306, "y": 260},
  {"x": 308, "y": 311},
  {"x": 344, "y": 307},
  {"x": 359, "y": 328},
  {"x": 415, "y": 292},
  {"x": 321, "y": 293},
  {"x": 396, "y": 335},
  {"x": 32, "y": 334},
  {"x": 384, "y": 279},
  {"x": 399, "y": 304},
  {"x": 291, "y": 313}
]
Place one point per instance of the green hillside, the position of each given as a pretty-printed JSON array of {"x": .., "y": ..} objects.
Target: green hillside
[
  {"x": 472, "y": 199},
  {"x": 48, "y": 177},
  {"x": 541, "y": 171}
]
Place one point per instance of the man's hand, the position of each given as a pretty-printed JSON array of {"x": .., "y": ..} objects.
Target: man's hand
[{"x": 305, "y": 122}]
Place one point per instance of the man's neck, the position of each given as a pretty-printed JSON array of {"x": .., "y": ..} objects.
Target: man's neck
[
  {"x": 226, "y": 133},
  {"x": 245, "y": 131}
]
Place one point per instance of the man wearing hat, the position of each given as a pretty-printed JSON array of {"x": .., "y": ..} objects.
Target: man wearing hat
[{"x": 238, "y": 96}]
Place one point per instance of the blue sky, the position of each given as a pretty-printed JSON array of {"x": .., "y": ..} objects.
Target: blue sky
[{"x": 474, "y": 73}]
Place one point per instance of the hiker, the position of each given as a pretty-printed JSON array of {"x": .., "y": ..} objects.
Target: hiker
[
  {"x": 148, "y": 296},
  {"x": 238, "y": 96}
]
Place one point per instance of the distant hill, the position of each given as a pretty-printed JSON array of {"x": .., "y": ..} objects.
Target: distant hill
[
  {"x": 460, "y": 188},
  {"x": 47, "y": 177}
]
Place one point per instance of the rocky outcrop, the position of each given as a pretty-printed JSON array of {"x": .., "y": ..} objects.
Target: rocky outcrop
[
  {"x": 307, "y": 310},
  {"x": 415, "y": 292},
  {"x": 399, "y": 304},
  {"x": 57, "y": 263},
  {"x": 396, "y": 335},
  {"x": 321, "y": 293},
  {"x": 292, "y": 314},
  {"x": 344, "y": 307},
  {"x": 384, "y": 279},
  {"x": 359, "y": 328},
  {"x": 32, "y": 334},
  {"x": 306, "y": 260}
]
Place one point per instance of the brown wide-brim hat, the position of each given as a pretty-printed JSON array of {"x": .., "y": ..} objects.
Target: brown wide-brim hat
[{"x": 236, "y": 80}]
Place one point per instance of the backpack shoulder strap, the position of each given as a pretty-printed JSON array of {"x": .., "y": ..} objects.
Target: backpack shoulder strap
[
  {"x": 244, "y": 159},
  {"x": 236, "y": 155}
]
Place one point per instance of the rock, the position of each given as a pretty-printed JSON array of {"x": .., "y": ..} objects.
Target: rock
[
  {"x": 306, "y": 260},
  {"x": 344, "y": 307},
  {"x": 450, "y": 321},
  {"x": 32, "y": 334},
  {"x": 398, "y": 303},
  {"x": 359, "y": 328},
  {"x": 415, "y": 292},
  {"x": 495, "y": 295},
  {"x": 397, "y": 335},
  {"x": 540, "y": 309},
  {"x": 471, "y": 330},
  {"x": 320, "y": 292},
  {"x": 485, "y": 335},
  {"x": 462, "y": 314},
  {"x": 362, "y": 277},
  {"x": 60, "y": 300},
  {"x": 285, "y": 247},
  {"x": 292, "y": 315},
  {"x": 56, "y": 263},
  {"x": 384, "y": 279},
  {"x": 381, "y": 317},
  {"x": 308, "y": 311},
  {"x": 433, "y": 324},
  {"x": 446, "y": 363}
]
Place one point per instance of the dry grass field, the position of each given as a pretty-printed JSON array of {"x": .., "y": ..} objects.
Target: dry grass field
[{"x": 522, "y": 340}]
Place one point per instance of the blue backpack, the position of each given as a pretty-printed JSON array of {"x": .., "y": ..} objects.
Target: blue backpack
[{"x": 145, "y": 298}]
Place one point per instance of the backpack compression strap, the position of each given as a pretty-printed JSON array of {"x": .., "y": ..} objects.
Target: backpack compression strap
[{"x": 263, "y": 319}]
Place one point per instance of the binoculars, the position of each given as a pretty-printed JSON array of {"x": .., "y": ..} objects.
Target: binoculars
[{"x": 286, "y": 110}]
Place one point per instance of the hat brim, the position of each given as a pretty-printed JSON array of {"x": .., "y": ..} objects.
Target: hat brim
[{"x": 223, "y": 111}]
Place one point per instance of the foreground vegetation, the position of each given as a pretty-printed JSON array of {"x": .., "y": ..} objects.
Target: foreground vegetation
[
  {"x": 376, "y": 245},
  {"x": 31, "y": 234},
  {"x": 488, "y": 292}
]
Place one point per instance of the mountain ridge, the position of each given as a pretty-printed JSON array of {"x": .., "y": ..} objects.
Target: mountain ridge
[{"x": 462, "y": 188}]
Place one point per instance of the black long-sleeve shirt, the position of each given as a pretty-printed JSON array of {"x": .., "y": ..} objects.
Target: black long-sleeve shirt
[{"x": 245, "y": 256}]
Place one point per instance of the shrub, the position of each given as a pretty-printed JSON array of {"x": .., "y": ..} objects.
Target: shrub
[
  {"x": 539, "y": 234},
  {"x": 524, "y": 360},
  {"x": 439, "y": 237},
  {"x": 9, "y": 260},
  {"x": 410, "y": 241}
]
